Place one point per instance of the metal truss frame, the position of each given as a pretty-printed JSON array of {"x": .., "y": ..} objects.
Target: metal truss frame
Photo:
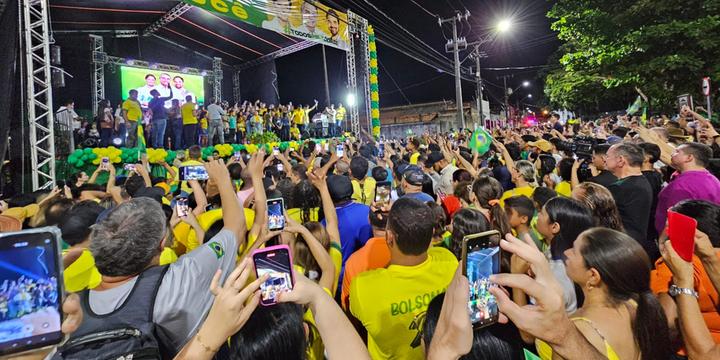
[
  {"x": 99, "y": 59},
  {"x": 38, "y": 91},
  {"x": 167, "y": 18},
  {"x": 365, "y": 70},
  {"x": 351, "y": 72},
  {"x": 236, "y": 87},
  {"x": 114, "y": 60},
  {"x": 217, "y": 79},
  {"x": 276, "y": 54}
]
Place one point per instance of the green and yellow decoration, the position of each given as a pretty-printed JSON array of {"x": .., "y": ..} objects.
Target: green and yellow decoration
[{"x": 374, "y": 89}]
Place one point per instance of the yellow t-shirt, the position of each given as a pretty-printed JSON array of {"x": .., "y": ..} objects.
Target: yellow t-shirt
[
  {"x": 387, "y": 301},
  {"x": 564, "y": 188},
  {"x": 364, "y": 194},
  {"x": 188, "y": 114},
  {"x": 82, "y": 273},
  {"x": 414, "y": 158},
  {"x": 340, "y": 113},
  {"x": 523, "y": 190},
  {"x": 297, "y": 116},
  {"x": 296, "y": 214},
  {"x": 134, "y": 112}
]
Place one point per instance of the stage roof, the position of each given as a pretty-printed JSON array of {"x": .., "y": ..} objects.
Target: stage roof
[{"x": 234, "y": 41}]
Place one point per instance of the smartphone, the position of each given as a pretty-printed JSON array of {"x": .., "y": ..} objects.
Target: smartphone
[
  {"x": 340, "y": 150},
  {"x": 382, "y": 193},
  {"x": 129, "y": 167},
  {"x": 280, "y": 167},
  {"x": 276, "y": 216},
  {"x": 326, "y": 146},
  {"x": 318, "y": 148},
  {"x": 104, "y": 163},
  {"x": 237, "y": 155},
  {"x": 193, "y": 172},
  {"x": 31, "y": 289},
  {"x": 681, "y": 231},
  {"x": 480, "y": 259},
  {"x": 182, "y": 207},
  {"x": 381, "y": 153},
  {"x": 276, "y": 261},
  {"x": 276, "y": 151}
]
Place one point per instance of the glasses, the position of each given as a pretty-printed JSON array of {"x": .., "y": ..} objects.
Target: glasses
[{"x": 418, "y": 324}]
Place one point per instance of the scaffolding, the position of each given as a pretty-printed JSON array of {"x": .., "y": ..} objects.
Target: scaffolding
[
  {"x": 38, "y": 91},
  {"x": 99, "y": 58},
  {"x": 351, "y": 73},
  {"x": 217, "y": 79}
]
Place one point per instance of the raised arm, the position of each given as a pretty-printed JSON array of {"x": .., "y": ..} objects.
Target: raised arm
[
  {"x": 509, "y": 162},
  {"x": 318, "y": 252},
  {"x": 233, "y": 214},
  {"x": 199, "y": 195},
  {"x": 256, "y": 169}
]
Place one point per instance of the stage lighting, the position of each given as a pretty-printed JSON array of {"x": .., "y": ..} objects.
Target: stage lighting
[
  {"x": 130, "y": 62},
  {"x": 203, "y": 73},
  {"x": 184, "y": 70},
  {"x": 504, "y": 25},
  {"x": 350, "y": 99},
  {"x": 117, "y": 141},
  {"x": 153, "y": 66}
]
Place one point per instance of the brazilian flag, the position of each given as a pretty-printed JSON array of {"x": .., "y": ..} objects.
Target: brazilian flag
[
  {"x": 634, "y": 107},
  {"x": 481, "y": 141}
]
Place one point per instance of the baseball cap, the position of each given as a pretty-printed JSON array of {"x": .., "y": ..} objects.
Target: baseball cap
[
  {"x": 541, "y": 144},
  {"x": 614, "y": 139},
  {"x": 340, "y": 187},
  {"x": 434, "y": 157},
  {"x": 414, "y": 175}
]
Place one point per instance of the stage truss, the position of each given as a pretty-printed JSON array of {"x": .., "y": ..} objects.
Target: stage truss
[
  {"x": 34, "y": 24},
  {"x": 38, "y": 91}
]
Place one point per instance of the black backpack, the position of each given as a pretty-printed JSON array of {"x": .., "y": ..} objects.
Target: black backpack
[{"x": 126, "y": 333}]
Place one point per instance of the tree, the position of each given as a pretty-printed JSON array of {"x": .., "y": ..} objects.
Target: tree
[{"x": 664, "y": 47}]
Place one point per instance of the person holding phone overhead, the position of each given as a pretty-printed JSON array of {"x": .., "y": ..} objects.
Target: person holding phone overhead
[{"x": 390, "y": 301}]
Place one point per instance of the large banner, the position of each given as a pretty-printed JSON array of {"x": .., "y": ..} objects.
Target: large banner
[
  {"x": 145, "y": 80},
  {"x": 305, "y": 19}
]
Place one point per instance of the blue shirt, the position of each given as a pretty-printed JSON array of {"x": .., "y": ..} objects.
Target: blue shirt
[{"x": 355, "y": 230}]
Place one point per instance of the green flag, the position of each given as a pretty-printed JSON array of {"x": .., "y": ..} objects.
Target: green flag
[
  {"x": 643, "y": 118},
  {"x": 635, "y": 107},
  {"x": 481, "y": 141},
  {"x": 142, "y": 146}
]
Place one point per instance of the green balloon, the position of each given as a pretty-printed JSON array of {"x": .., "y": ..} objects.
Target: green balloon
[
  {"x": 79, "y": 164},
  {"x": 87, "y": 150}
]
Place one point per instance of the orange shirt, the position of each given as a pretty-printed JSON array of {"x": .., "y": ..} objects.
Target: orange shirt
[
  {"x": 374, "y": 254},
  {"x": 661, "y": 279}
]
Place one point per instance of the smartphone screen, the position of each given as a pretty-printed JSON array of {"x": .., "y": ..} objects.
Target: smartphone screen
[
  {"x": 104, "y": 163},
  {"x": 481, "y": 258},
  {"x": 381, "y": 153},
  {"x": 237, "y": 155},
  {"x": 280, "y": 167},
  {"x": 318, "y": 148},
  {"x": 277, "y": 263},
  {"x": 340, "y": 150},
  {"x": 382, "y": 193},
  {"x": 276, "y": 151},
  {"x": 30, "y": 290},
  {"x": 194, "y": 172},
  {"x": 276, "y": 218},
  {"x": 182, "y": 207},
  {"x": 129, "y": 167}
]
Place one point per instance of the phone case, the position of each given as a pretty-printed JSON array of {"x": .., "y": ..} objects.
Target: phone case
[
  {"x": 465, "y": 241},
  {"x": 271, "y": 249},
  {"x": 681, "y": 231}
]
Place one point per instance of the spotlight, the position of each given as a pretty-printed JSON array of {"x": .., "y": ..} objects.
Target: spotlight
[
  {"x": 130, "y": 62},
  {"x": 184, "y": 70},
  {"x": 117, "y": 141},
  {"x": 153, "y": 66},
  {"x": 350, "y": 99},
  {"x": 203, "y": 73}
]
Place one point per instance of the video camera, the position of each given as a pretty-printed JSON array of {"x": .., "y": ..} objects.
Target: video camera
[{"x": 581, "y": 146}]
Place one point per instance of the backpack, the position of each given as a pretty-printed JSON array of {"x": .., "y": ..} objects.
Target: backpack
[{"x": 126, "y": 333}]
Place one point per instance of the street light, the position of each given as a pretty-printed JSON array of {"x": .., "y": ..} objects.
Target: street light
[
  {"x": 529, "y": 96},
  {"x": 526, "y": 83},
  {"x": 350, "y": 99},
  {"x": 504, "y": 25}
]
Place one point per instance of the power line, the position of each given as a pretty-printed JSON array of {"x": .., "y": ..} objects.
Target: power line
[
  {"x": 414, "y": 84},
  {"x": 424, "y": 9},
  {"x": 394, "y": 82}
]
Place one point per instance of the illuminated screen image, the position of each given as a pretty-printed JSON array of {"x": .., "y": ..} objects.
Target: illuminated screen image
[
  {"x": 196, "y": 172},
  {"x": 481, "y": 264},
  {"x": 276, "y": 218},
  {"x": 277, "y": 266},
  {"x": 146, "y": 80},
  {"x": 29, "y": 296}
]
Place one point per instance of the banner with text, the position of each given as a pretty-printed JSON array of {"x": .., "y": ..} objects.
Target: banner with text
[{"x": 305, "y": 19}]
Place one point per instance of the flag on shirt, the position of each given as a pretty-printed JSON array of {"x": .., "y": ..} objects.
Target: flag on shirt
[
  {"x": 481, "y": 141},
  {"x": 634, "y": 107}
]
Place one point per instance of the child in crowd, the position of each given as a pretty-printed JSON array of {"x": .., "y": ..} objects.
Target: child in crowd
[{"x": 520, "y": 211}]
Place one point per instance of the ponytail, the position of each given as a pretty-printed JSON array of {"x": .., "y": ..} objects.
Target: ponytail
[{"x": 651, "y": 329}]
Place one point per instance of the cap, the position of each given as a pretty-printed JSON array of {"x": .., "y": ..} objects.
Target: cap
[
  {"x": 165, "y": 187},
  {"x": 340, "y": 187},
  {"x": 154, "y": 193},
  {"x": 675, "y": 133},
  {"x": 541, "y": 144},
  {"x": 434, "y": 157},
  {"x": 413, "y": 175},
  {"x": 614, "y": 139}
]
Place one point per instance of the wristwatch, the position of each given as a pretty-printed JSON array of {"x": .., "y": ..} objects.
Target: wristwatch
[{"x": 675, "y": 291}]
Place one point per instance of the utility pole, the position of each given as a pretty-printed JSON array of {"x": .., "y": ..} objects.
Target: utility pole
[
  {"x": 454, "y": 46},
  {"x": 505, "y": 90},
  {"x": 327, "y": 83},
  {"x": 478, "y": 92}
]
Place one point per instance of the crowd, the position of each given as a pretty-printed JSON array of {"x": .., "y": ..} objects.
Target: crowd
[
  {"x": 26, "y": 296},
  {"x": 179, "y": 127},
  {"x": 586, "y": 269}
]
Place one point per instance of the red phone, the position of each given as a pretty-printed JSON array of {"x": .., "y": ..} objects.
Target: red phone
[
  {"x": 681, "y": 231},
  {"x": 276, "y": 261}
]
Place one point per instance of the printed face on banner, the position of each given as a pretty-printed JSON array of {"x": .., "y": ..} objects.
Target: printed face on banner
[
  {"x": 146, "y": 80},
  {"x": 312, "y": 21}
]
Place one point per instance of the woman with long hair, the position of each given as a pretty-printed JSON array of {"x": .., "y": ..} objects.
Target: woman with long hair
[
  {"x": 486, "y": 194},
  {"x": 602, "y": 204},
  {"x": 620, "y": 316}
]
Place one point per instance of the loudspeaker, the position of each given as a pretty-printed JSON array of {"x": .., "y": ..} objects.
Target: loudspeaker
[
  {"x": 58, "y": 77},
  {"x": 55, "y": 58}
]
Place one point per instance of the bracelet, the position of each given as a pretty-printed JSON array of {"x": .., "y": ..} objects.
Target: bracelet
[{"x": 205, "y": 347}]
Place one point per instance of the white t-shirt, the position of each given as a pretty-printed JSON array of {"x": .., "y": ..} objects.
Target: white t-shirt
[{"x": 67, "y": 116}]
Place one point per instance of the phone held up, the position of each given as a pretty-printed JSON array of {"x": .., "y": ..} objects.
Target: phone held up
[
  {"x": 31, "y": 287},
  {"x": 275, "y": 213},
  {"x": 193, "y": 172},
  {"x": 382, "y": 193},
  {"x": 276, "y": 262},
  {"x": 181, "y": 205},
  {"x": 480, "y": 259}
]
